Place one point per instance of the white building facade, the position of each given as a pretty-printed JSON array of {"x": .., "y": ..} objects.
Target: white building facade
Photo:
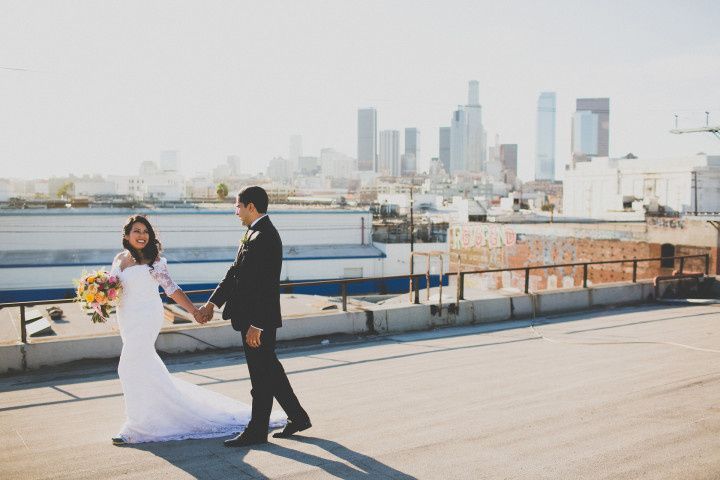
[{"x": 616, "y": 188}]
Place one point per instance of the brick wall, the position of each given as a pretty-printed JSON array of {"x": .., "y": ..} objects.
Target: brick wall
[{"x": 489, "y": 246}]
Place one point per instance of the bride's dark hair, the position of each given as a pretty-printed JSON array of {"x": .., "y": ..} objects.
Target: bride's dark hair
[{"x": 153, "y": 247}]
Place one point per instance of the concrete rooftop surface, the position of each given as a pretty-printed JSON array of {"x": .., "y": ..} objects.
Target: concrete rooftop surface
[{"x": 621, "y": 393}]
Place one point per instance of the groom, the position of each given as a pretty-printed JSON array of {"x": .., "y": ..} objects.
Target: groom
[{"x": 250, "y": 292}]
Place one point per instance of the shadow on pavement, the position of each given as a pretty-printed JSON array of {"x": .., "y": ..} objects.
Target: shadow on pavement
[{"x": 209, "y": 459}]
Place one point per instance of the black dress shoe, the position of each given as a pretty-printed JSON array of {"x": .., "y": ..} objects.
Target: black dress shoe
[
  {"x": 245, "y": 439},
  {"x": 118, "y": 441},
  {"x": 293, "y": 427}
]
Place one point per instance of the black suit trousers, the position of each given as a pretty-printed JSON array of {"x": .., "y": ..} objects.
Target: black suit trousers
[{"x": 269, "y": 381}]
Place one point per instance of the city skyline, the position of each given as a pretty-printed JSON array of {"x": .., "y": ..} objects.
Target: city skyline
[{"x": 133, "y": 79}]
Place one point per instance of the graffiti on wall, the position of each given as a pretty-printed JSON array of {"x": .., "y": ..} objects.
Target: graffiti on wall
[
  {"x": 485, "y": 235},
  {"x": 666, "y": 222}
]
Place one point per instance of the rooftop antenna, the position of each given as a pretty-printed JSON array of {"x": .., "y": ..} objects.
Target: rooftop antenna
[{"x": 707, "y": 128}]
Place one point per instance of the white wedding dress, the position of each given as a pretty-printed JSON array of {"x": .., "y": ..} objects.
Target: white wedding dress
[{"x": 158, "y": 406}]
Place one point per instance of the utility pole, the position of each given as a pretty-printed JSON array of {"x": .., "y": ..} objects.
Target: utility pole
[
  {"x": 412, "y": 223},
  {"x": 695, "y": 186}
]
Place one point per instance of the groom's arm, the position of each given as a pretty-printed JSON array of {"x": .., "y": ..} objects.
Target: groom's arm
[{"x": 222, "y": 291}]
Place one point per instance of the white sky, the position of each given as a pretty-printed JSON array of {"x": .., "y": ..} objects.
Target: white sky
[{"x": 108, "y": 85}]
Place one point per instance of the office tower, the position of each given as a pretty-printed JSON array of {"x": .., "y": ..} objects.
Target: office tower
[
  {"x": 389, "y": 154},
  {"x": 412, "y": 152},
  {"x": 334, "y": 164},
  {"x": 295, "y": 148},
  {"x": 468, "y": 138},
  {"x": 508, "y": 158},
  {"x": 367, "y": 139},
  {"x": 545, "y": 140},
  {"x": 591, "y": 129},
  {"x": 233, "y": 162},
  {"x": 308, "y": 165},
  {"x": 169, "y": 161},
  {"x": 458, "y": 141},
  {"x": 444, "y": 150}
]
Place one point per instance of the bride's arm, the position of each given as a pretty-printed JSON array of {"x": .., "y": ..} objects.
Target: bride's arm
[
  {"x": 181, "y": 299},
  {"x": 160, "y": 273}
]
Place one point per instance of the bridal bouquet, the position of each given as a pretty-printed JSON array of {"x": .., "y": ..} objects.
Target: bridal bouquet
[{"x": 98, "y": 291}]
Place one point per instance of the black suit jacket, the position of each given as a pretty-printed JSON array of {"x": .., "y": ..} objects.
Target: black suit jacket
[{"x": 250, "y": 290}]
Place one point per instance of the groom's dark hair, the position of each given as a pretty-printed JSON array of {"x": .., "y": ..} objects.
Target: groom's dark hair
[{"x": 255, "y": 195}]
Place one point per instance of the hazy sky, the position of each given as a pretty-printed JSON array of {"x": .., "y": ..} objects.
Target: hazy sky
[{"x": 98, "y": 86}]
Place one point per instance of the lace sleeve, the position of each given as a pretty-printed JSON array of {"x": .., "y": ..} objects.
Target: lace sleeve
[
  {"x": 115, "y": 268},
  {"x": 161, "y": 275}
]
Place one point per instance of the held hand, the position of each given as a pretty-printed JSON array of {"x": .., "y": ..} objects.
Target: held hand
[
  {"x": 198, "y": 315},
  {"x": 205, "y": 314},
  {"x": 253, "y": 337}
]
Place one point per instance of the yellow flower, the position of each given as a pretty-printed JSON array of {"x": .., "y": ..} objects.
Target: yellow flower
[
  {"x": 91, "y": 280},
  {"x": 90, "y": 297},
  {"x": 93, "y": 288},
  {"x": 80, "y": 289}
]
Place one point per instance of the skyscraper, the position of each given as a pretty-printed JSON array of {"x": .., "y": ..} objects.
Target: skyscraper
[
  {"x": 389, "y": 154},
  {"x": 412, "y": 152},
  {"x": 508, "y": 158},
  {"x": 545, "y": 140},
  {"x": 591, "y": 129},
  {"x": 169, "y": 161},
  {"x": 367, "y": 139},
  {"x": 444, "y": 150},
  {"x": 468, "y": 138},
  {"x": 458, "y": 141}
]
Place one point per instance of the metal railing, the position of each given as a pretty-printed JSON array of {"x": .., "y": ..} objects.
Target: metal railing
[
  {"x": 414, "y": 279},
  {"x": 584, "y": 265},
  {"x": 285, "y": 287}
]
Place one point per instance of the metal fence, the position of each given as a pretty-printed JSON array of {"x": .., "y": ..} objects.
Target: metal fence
[{"x": 413, "y": 279}]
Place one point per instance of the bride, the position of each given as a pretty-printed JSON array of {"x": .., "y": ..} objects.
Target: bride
[{"x": 158, "y": 406}]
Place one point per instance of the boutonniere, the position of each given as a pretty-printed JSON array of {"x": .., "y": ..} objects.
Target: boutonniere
[{"x": 249, "y": 235}]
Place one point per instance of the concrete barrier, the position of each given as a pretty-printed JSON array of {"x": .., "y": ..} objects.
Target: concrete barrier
[{"x": 395, "y": 317}]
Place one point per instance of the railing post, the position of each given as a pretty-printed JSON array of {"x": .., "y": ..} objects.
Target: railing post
[
  {"x": 707, "y": 264},
  {"x": 416, "y": 288},
  {"x": 585, "y": 274},
  {"x": 344, "y": 296},
  {"x": 634, "y": 278},
  {"x": 23, "y": 327},
  {"x": 527, "y": 280},
  {"x": 461, "y": 286},
  {"x": 682, "y": 264}
]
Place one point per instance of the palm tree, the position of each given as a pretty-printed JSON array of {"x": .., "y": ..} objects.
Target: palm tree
[
  {"x": 65, "y": 190},
  {"x": 222, "y": 191}
]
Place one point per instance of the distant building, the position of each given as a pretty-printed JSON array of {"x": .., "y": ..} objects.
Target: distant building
[
  {"x": 94, "y": 186},
  {"x": 169, "y": 161},
  {"x": 412, "y": 152},
  {"x": 590, "y": 129},
  {"x": 619, "y": 188},
  {"x": 279, "y": 169},
  {"x": 334, "y": 164},
  {"x": 468, "y": 138},
  {"x": 545, "y": 140},
  {"x": 295, "y": 151},
  {"x": 148, "y": 168},
  {"x": 233, "y": 162},
  {"x": 444, "y": 150},
  {"x": 508, "y": 158},
  {"x": 367, "y": 139},
  {"x": 389, "y": 154},
  {"x": 308, "y": 165}
]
